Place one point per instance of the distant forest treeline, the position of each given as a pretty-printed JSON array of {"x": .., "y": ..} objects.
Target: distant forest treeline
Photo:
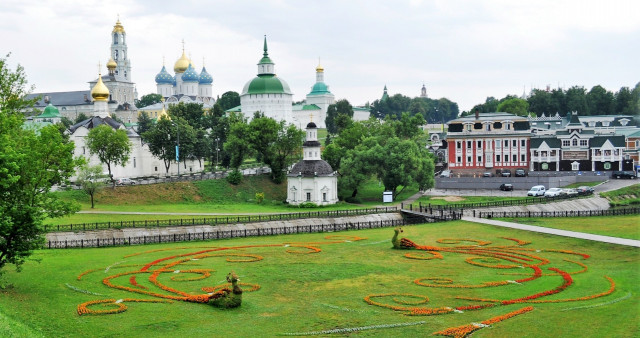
[{"x": 597, "y": 101}]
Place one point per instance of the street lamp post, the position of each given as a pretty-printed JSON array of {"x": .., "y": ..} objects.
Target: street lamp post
[
  {"x": 178, "y": 149},
  {"x": 217, "y": 151}
]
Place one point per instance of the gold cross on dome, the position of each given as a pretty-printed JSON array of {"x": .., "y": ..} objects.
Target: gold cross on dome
[
  {"x": 311, "y": 116},
  {"x": 99, "y": 66},
  {"x": 183, "y": 45}
]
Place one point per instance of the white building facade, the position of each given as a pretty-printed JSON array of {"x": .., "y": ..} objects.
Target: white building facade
[{"x": 312, "y": 179}]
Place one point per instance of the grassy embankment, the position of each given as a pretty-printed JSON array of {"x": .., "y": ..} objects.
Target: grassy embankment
[
  {"x": 627, "y": 196},
  {"x": 305, "y": 292},
  {"x": 209, "y": 196}
]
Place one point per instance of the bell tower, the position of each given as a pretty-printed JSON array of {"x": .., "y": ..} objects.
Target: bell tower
[{"x": 119, "y": 51}]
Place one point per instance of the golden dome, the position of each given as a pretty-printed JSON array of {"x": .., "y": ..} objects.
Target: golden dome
[
  {"x": 100, "y": 92},
  {"x": 182, "y": 64},
  {"x": 111, "y": 64},
  {"x": 118, "y": 27},
  {"x": 319, "y": 69}
]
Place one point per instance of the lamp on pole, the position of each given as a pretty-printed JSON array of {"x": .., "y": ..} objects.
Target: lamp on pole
[
  {"x": 178, "y": 148},
  {"x": 217, "y": 150}
]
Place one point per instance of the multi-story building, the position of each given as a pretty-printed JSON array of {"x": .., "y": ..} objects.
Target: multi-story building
[{"x": 488, "y": 142}]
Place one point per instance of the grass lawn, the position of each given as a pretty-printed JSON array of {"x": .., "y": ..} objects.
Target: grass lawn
[
  {"x": 446, "y": 200},
  {"x": 627, "y": 196},
  {"x": 617, "y": 226},
  {"x": 585, "y": 184},
  {"x": 317, "y": 282}
]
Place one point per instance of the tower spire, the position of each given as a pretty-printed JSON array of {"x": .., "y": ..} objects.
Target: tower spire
[{"x": 265, "y": 46}]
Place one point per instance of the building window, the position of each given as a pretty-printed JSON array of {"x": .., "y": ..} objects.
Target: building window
[
  {"x": 515, "y": 158},
  {"x": 479, "y": 159},
  {"x": 134, "y": 162},
  {"x": 574, "y": 142},
  {"x": 566, "y": 143},
  {"x": 488, "y": 126},
  {"x": 637, "y": 144},
  {"x": 468, "y": 127},
  {"x": 523, "y": 158},
  {"x": 575, "y": 165},
  {"x": 469, "y": 160},
  {"x": 507, "y": 126},
  {"x": 324, "y": 196},
  {"x": 84, "y": 150},
  {"x": 458, "y": 145},
  {"x": 523, "y": 143},
  {"x": 458, "y": 159},
  {"x": 506, "y": 143},
  {"x": 497, "y": 158},
  {"x": 514, "y": 143},
  {"x": 156, "y": 168},
  {"x": 583, "y": 143},
  {"x": 498, "y": 143},
  {"x": 308, "y": 197},
  {"x": 479, "y": 144},
  {"x": 468, "y": 144}
]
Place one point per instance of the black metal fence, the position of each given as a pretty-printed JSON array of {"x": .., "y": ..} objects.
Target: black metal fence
[
  {"x": 504, "y": 203},
  {"x": 570, "y": 213},
  {"x": 218, "y": 220},
  {"x": 225, "y": 234}
]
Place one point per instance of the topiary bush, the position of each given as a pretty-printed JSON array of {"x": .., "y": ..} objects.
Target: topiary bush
[
  {"x": 309, "y": 205},
  {"x": 234, "y": 177}
]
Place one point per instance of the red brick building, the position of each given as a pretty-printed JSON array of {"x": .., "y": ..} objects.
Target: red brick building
[{"x": 488, "y": 142}]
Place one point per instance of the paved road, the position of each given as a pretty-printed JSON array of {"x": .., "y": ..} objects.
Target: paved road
[{"x": 565, "y": 233}]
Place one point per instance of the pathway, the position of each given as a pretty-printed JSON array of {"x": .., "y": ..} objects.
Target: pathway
[{"x": 565, "y": 233}]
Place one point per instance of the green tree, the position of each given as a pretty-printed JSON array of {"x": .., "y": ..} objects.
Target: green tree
[
  {"x": 576, "y": 98},
  {"x": 149, "y": 99},
  {"x": 111, "y": 146},
  {"x": 30, "y": 164},
  {"x": 515, "y": 106},
  {"x": 624, "y": 103},
  {"x": 81, "y": 117},
  {"x": 237, "y": 142},
  {"x": 66, "y": 122},
  {"x": 192, "y": 113},
  {"x": 229, "y": 100},
  {"x": 275, "y": 143},
  {"x": 145, "y": 123},
  {"x": 161, "y": 144},
  {"x": 90, "y": 179},
  {"x": 600, "y": 101},
  {"x": 339, "y": 115}
]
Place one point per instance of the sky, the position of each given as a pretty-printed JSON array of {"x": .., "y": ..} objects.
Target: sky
[{"x": 462, "y": 50}]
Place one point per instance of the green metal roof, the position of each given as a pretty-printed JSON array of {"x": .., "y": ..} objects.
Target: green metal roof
[
  {"x": 319, "y": 89},
  {"x": 552, "y": 142},
  {"x": 300, "y": 107},
  {"x": 49, "y": 112},
  {"x": 616, "y": 141},
  {"x": 266, "y": 84},
  {"x": 235, "y": 109}
]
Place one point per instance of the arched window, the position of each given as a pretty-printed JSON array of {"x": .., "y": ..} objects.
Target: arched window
[
  {"x": 115, "y": 55},
  {"x": 115, "y": 38}
]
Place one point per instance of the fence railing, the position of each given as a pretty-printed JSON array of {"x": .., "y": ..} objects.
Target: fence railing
[
  {"x": 218, "y": 220},
  {"x": 569, "y": 213},
  {"x": 225, "y": 234},
  {"x": 503, "y": 203}
]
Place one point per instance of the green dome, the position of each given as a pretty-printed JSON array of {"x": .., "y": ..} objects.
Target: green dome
[
  {"x": 266, "y": 84},
  {"x": 319, "y": 89},
  {"x": 50, "y": 112}
]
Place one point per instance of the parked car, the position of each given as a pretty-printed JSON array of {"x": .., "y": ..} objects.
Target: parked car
[
  {"x": 584, "y": 190},
  {"x": 125, "y": 181},
  {"x": 445, "y": 173},
  {"x": 506, "y": 187},
  {"x": 536, "y": 190},
  {"x": 505, "y": 173},
  {"x": 487, "y": 174},
  {"x": 521, "y": 172},
  {"x": 570, "y": 192},
  {"x": 553, "y": 192},
  {"x": 624, "y": 174}
]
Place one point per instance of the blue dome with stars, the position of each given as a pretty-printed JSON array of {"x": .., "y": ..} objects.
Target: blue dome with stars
[
  {"x": 164, "y": 77},
  {"x": 190, "y": 75},
  {"x": 205, "y": 77}
]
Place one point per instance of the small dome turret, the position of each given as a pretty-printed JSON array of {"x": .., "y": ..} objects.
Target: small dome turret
[
  {"x": 100, "y": 92},
  {"x": 182, "y": 64},
  {"x": 205, "y": 77},
  {"x": 190, "y": 75},
  {"x": 111, "y": 64},
  {"x": 164, "y": 77},
  {"x": 117, "y": 28}
]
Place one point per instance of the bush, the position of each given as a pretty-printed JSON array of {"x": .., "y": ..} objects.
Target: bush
[
  {"x": 353, "y": 200},
  {"x": 234, "y": 177},
  {"x": 309, "y": 205},
  {"x": 259, "y": 197}
]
